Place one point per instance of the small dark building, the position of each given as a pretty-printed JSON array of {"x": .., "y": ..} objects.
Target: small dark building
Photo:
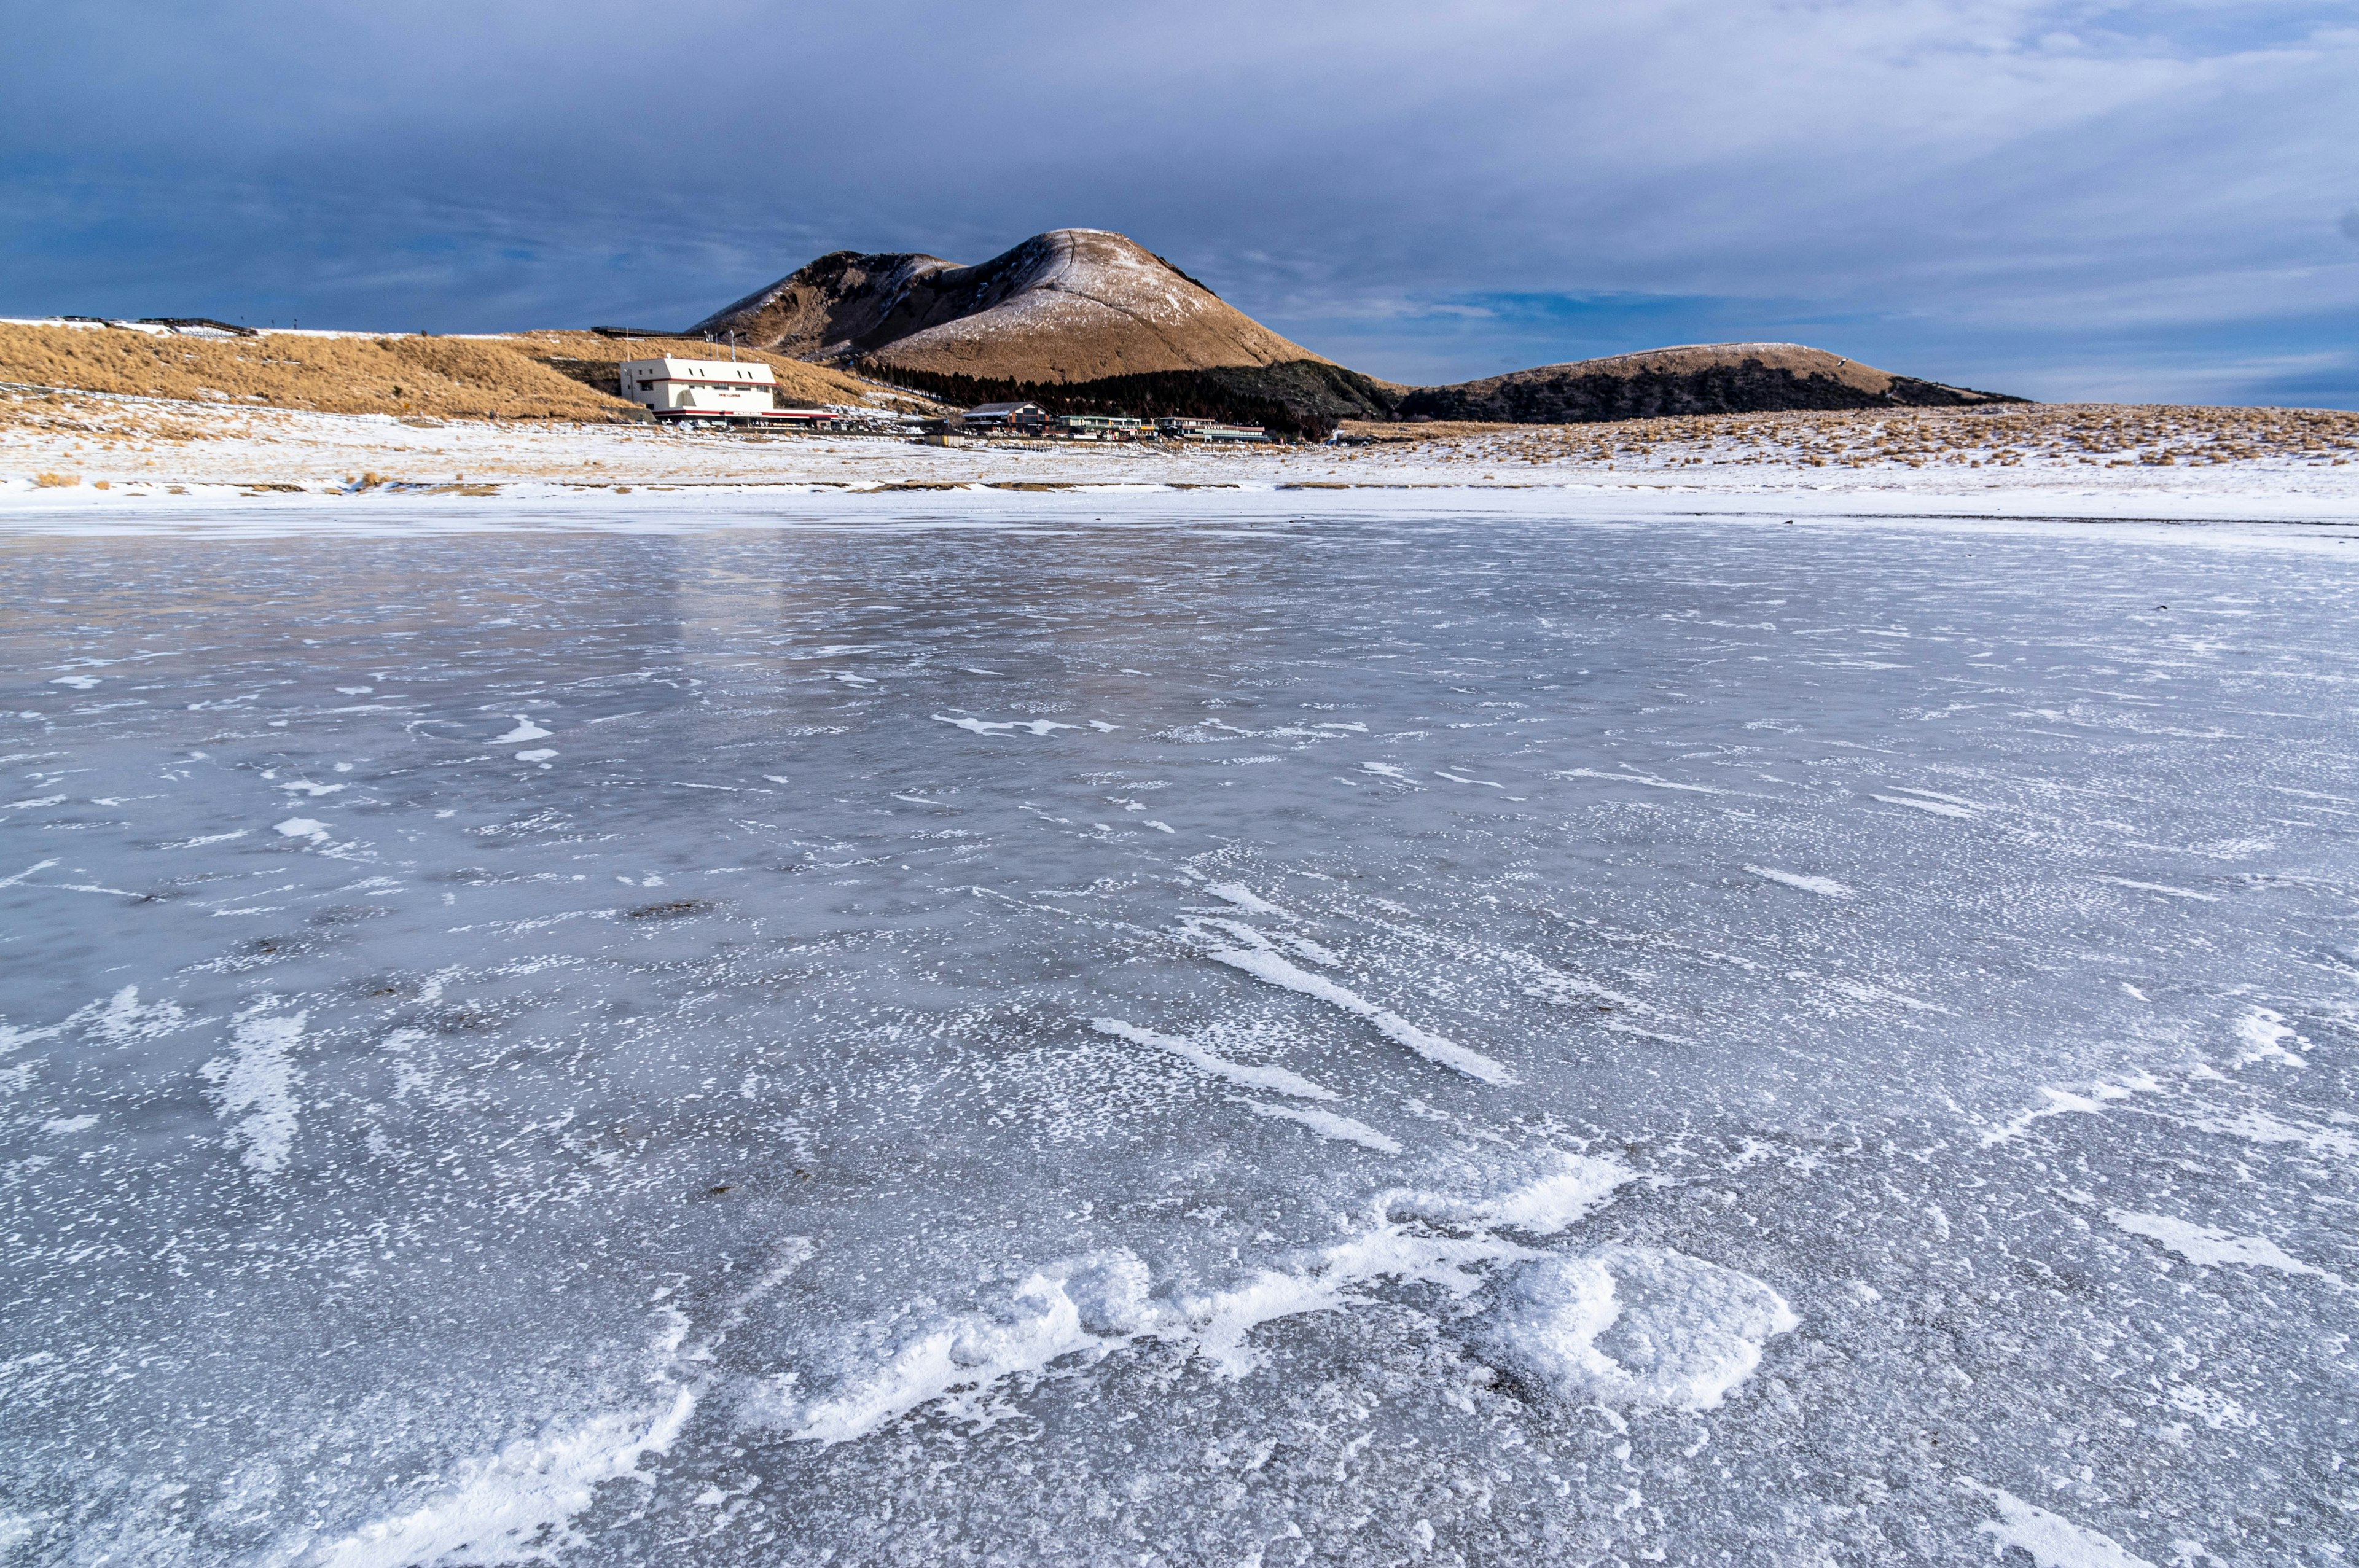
[{"x": 1019, "y": 418}]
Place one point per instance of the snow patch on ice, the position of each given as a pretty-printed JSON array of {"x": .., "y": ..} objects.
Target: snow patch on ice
[
  {"x": 258, "y": 1080},
  {"x": 2053, "y": 1541},
  {"x": 2063, "y": 1102},
  {"x": 2262, "y": 1035},
  {"x": 2260, "y": 1127},
  {"x": 2209, "y": 1245},
  {"x": 1636, "y": 1325}
]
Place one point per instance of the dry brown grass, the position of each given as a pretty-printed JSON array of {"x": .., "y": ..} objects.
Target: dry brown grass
[
  {"x": 56, "y": 481},
  {"x": 450, "y": 377},
  {"x": 2082, "y": 435},
  {"x": 534, "y": 375}
]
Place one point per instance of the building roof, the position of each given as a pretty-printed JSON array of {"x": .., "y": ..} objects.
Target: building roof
[{"x": 1002, "y": 409}]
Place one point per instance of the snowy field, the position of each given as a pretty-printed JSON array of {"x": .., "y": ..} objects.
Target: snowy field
[
  {"x": 1178, "y": 1028},
  {"x": 74, "y": 460}
]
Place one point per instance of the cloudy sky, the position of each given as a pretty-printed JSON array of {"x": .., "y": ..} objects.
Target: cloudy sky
[{"x": 2154, "y": 201}]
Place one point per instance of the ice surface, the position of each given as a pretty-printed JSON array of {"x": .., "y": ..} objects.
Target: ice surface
[{"x": 1111, "y": 1083}]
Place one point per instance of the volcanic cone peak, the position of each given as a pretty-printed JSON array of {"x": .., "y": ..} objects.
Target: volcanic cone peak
[{"x": 1074, "y": 305}]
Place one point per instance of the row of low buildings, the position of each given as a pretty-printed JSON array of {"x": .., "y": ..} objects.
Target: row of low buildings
[
  {"x": 744, "y": 393},
  {"x": 1031, "y": 420}
]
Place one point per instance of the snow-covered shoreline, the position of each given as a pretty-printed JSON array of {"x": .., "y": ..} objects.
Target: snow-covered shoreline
[{"x": 113, "y": 461}]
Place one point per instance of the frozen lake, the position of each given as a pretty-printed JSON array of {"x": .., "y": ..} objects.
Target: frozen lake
[{"x": 1395, "y": 1038}]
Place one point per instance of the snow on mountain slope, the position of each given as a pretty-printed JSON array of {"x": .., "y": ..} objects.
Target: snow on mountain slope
[{"x": 1072, "y": 305}]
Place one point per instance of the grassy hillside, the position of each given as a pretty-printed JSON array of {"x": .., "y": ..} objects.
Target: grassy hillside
[{"x": 532, "y": 376}]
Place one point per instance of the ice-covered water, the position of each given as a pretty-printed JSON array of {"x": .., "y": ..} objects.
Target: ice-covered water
[{"x": 1380, "y": 1040}]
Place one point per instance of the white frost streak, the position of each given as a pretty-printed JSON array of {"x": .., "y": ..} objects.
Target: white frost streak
[
  {"x": 987, "y": 727},
  {"x": 516, "y": 1506},
  {"x": 1242, "y": 1074},
  {"x": 2053, "y": 1541},
  {"x": 1825, "y": 887},
  {"x": 2208, "y": 1246},
  {"x": 2158, "y": 887},
  {"x": 1265, "y": 963},
  {"x": 1937, "y": 807},
  {"x": 258, "y": 1080},
  {"x": 1243, "y": 898},
  {"x": 1326, "y": 1124}
]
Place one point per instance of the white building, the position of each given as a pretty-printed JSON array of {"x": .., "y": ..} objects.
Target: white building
[{"x": 682, "y": 390}]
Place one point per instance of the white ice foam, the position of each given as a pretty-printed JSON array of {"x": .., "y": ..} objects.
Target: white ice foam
[
  {"x": 1326, "y": 1124},
  {"x": 1265, "y": 963},
  {"x": 305, "y": 827},
  {"x": 1825, "y": 887},
  {"x": 1093, "y": 1305},
  {"x": 525, "y": 730},
  {"x": 1241, "y": 1073},
  {"x": 305, "y": 786},
  {"x": 537, "y": 754},
  {"x": 2052, "y": 1539},
  {"x": 1638, "y": 1326},
  {"x": 1090, "y": 1305},
  {"x": 518, "y": 1506},
  {"x": 258, "y": 1080},
  {"x": 2209, "y": 1245}
]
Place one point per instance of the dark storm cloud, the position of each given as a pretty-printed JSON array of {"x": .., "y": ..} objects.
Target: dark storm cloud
[{"x": 2059, "y": 199}]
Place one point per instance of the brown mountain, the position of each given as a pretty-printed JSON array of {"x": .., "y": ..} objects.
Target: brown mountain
[
  {"x": 1699, "y": 378},
  {"x": 1081, "y": 320},
  {"x": 1077, "y": 320}
]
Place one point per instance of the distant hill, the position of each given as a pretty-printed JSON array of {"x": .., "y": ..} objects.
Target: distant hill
[
  {"x": 1699, "y": 378},
  {"x": 1081, "y": 320}
]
